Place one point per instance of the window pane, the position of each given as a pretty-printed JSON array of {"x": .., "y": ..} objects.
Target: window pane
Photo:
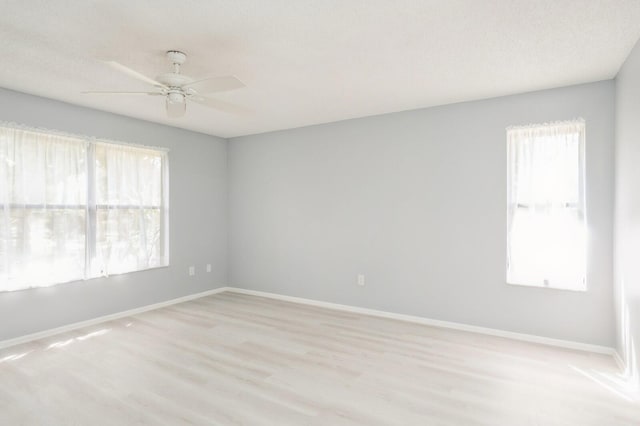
[
  {"x": 44, "y": 246},
  {"x": 547, "y": 167},
  {"x": 547, "y": 247},
  {"x": 128, "y": 175},
  {"x": 39, "y": 168},
  {"x": 128, "y": 239}
]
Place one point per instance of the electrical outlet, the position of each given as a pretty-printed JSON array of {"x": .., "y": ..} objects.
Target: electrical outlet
[
  {"x": 208, "y": 267},
  {"x": 360, "y": 279},
  {"x": 192, "y": 271}
]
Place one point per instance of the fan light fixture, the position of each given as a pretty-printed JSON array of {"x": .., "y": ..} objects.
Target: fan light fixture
[{"x": 175, "y": 96}]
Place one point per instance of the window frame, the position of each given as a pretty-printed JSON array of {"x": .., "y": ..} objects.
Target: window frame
[
  {"x": 580, "y": 207},
  {"x": 91, "y": 207}
]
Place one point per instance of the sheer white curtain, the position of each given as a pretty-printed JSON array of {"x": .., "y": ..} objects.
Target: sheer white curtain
[
  {"x": 546, "y": 239},
  {"x": 43, "y": 199},
  {"x": 129, "y": 208}
]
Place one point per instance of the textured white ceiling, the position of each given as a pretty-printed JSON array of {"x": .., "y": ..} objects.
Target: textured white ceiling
[{"x": 312, "y": 61}]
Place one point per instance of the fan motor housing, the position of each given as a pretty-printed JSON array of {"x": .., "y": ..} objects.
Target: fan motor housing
[
  {"x": 171, "y": 79},
  {"x": 176, "y": 56}
]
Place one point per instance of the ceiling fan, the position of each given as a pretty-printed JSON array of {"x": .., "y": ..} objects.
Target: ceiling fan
[{"x": 178, "y": 88}]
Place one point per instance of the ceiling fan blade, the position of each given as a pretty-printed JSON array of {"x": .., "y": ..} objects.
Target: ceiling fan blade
[
  {"x": 221, "y": 105},
  {"x": 215, "y": 84},
  {"x": 176, "y": 109},
  {"x": 97, "y": 92},
  {"x": 133, "y": 73}
]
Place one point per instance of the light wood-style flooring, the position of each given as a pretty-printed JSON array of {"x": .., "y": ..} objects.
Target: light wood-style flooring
[{"x": 233, "y": 359}]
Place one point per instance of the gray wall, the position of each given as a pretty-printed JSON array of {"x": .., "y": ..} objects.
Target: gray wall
[
  {"x": 312, "y": 207},
  {"x": 198, "y": 221},
  {"x": 627, "y": 212},
  {"x": 416, "y": 201}
]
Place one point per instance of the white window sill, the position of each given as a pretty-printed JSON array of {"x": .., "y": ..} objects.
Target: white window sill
[{"x": 548, "y": 287}]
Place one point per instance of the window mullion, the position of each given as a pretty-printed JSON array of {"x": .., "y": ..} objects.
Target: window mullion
[
  {"x": 164, "y": 220},
  {"x": 91, "y": 212}
]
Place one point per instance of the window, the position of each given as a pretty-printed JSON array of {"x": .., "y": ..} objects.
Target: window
[
  {"x": 75, "y": 208},
  {"x": 546, "y": 225},
  {"x": 129, "y": 216}
]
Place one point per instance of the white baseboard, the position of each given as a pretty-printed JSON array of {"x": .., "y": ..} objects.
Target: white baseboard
[
  {"x": 410, "y": 318},
  {"x": 51, "y": 332},
  {"x": 436, "y": 323},
  {"x": 621, "y": 364}
]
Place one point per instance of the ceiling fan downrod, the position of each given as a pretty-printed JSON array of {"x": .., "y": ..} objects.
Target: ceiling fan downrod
[{"x": 177, "y": 58}]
